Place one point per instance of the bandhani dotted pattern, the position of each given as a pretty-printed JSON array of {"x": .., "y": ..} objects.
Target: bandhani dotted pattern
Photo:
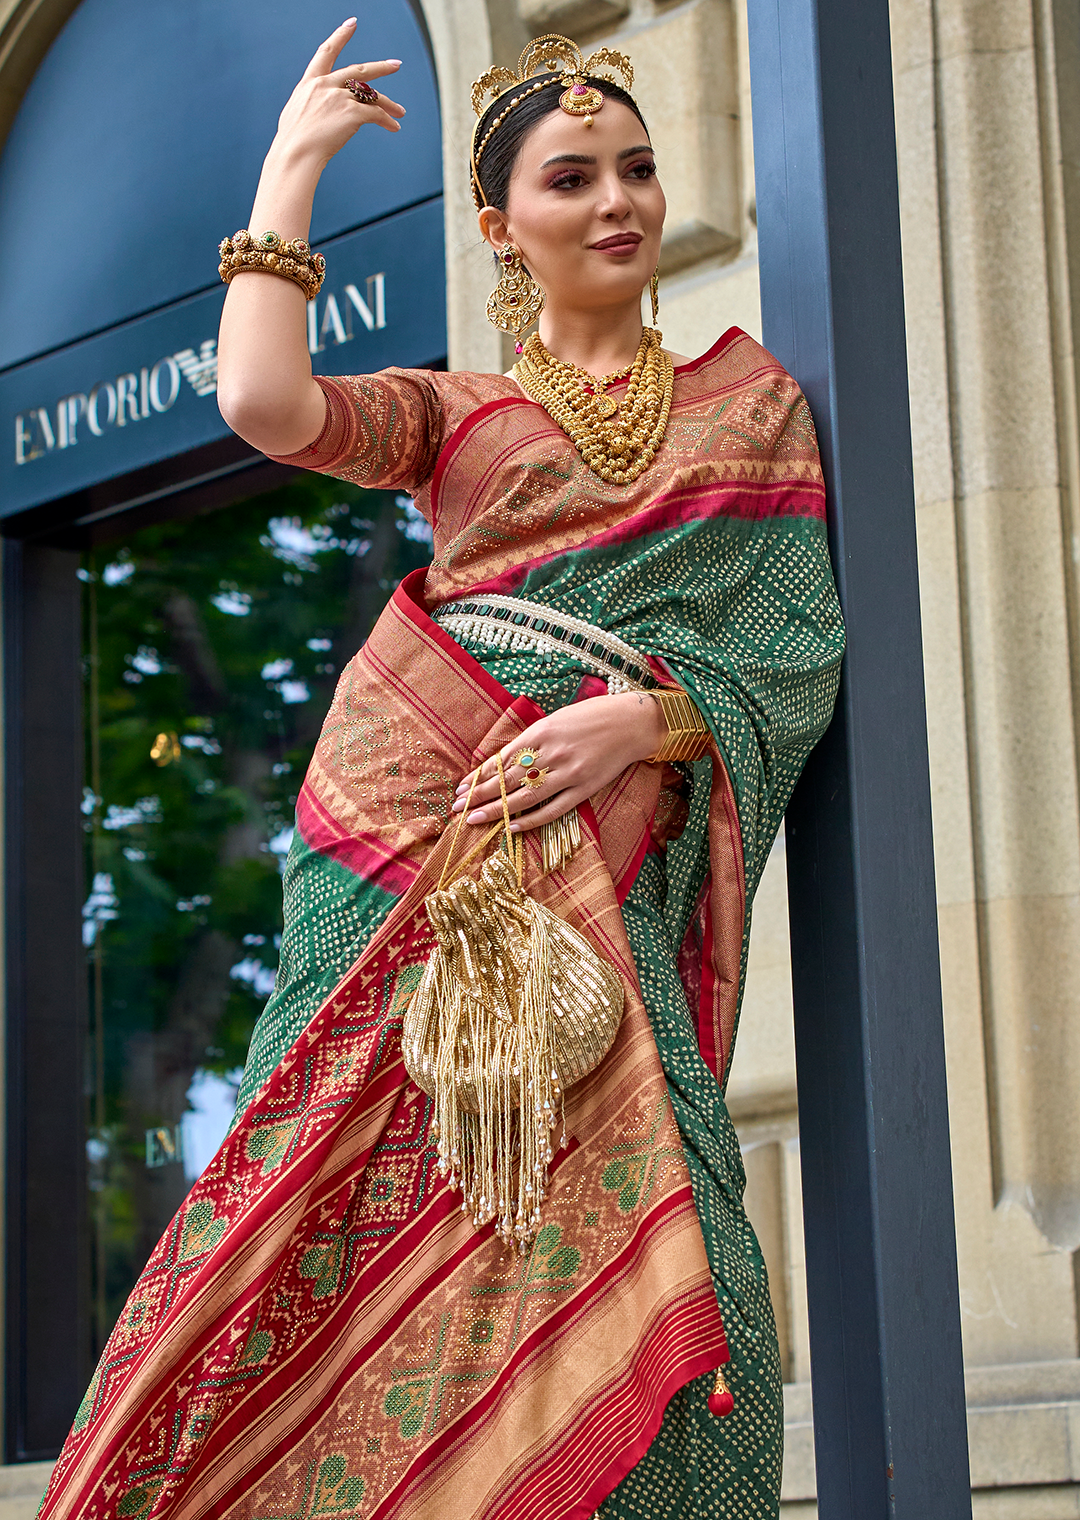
[
  {"x": 698, "y": 1465},
  {"x": 330, "y": 913},
  {"x": 320, "y": 1331}
]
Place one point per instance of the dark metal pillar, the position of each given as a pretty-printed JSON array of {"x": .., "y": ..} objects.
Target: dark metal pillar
[
  {"x": 45, "y": 1254},
  {"x": 889, "y": 1418}
]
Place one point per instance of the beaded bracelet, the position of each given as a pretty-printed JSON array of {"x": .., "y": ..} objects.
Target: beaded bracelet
[
  {"x": 270, "y": 253},
  {"x": 688, "y": 734}
]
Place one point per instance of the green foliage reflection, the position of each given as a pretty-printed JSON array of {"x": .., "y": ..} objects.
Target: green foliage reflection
[{"x": 211, "y": 652}]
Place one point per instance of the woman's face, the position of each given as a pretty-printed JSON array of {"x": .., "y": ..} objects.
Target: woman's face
[{"x": 585, "y": 208}]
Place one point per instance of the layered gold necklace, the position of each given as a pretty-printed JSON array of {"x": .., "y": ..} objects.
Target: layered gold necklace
[{"x": 616, "y": 439}]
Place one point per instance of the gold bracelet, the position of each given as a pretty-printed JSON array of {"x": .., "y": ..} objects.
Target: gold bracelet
[
  {"x": 270, "y": 253},
  {"x": 688, "y": 734}
]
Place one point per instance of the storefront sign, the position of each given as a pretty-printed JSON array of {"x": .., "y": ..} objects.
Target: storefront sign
[{"x": 145, "y": 390}]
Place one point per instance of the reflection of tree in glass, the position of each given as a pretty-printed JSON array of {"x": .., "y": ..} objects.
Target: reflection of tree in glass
[{"x": 212, "y": 651}]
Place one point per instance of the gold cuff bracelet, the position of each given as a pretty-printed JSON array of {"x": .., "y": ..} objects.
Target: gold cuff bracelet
[
  {"x": 270, "y": 253},
  {"x": 688, "y": 734}
]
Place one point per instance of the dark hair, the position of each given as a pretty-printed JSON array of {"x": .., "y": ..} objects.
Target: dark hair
[{"x": 501, "y": 154}]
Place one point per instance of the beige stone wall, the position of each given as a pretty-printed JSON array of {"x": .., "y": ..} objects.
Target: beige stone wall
[
  {"x": 986, "y": 139},
  {"x": 988, "y": 117},
  {"x": 994, "y": 430}
]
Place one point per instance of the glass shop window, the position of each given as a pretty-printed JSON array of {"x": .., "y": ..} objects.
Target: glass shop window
[{"x": 211, "y": 651}]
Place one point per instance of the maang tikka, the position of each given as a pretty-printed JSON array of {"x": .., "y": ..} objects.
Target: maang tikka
[
  {"x": 517, "y": 299},
  {"x": 558, "y": 61}
]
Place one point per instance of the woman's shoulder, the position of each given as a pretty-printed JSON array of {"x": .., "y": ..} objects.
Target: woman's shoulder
[
  {"x": 455, "y": 394},
  {"x": 454, "y": 385},
  {"x": 735, "y": 360}
]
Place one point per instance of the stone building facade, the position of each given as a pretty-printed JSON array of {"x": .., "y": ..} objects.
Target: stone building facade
[{"x": 988, "y": 117}]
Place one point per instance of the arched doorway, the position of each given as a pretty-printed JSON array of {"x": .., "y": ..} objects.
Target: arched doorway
[{"x": 136, "y": 148}]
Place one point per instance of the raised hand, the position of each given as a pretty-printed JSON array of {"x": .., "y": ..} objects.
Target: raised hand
[
  {"x": 265, "y": 390},
  {"x": 322, "y": 114}
]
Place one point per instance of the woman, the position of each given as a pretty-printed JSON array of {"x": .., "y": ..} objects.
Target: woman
[{"x": 324, "y": 1330}]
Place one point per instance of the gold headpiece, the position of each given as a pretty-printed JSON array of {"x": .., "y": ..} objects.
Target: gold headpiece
[{"x": 561, "y": 60}]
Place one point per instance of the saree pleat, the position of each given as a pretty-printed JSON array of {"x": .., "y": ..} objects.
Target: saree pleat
[
  {"x": 321, "y": 1332},
  {"x": 700, "y": 1466}
]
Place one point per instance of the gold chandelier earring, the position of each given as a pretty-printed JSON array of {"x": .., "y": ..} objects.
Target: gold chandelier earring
[
  {"x": 654, "y": 293},
  {"x": 517, "y": 299}
]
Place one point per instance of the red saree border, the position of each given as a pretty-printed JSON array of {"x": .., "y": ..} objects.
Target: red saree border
[
  {"x": 409, "y": 602},
  {"x": 360, "y": 854},
  {"x": 722, "y": 943},
  {"x": 459, "y": 436},
  {"x": 725, "y": 340},
  {"x": 651, "y": 1391},
  {"x": 710, "y": 1038},
  {"x": 756, "y": 502},
  {"x": 696, "y": 1307}
]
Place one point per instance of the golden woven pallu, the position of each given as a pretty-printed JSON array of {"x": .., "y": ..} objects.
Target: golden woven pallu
[{"x": 321, "y": 1320}]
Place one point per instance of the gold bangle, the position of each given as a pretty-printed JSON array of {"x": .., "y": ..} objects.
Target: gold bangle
[
  {"x": 688, "y": 734},
  {"x": 270, "y": 253}
]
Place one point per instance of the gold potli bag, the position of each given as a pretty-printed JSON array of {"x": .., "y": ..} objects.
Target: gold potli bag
[{"x": 514, "y": 1006}]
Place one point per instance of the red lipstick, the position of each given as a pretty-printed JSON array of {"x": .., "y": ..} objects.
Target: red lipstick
[{"x": 619, "y": 242}]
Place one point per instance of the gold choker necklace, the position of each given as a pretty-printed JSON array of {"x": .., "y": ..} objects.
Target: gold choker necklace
[{"x": 617, "y": 440}]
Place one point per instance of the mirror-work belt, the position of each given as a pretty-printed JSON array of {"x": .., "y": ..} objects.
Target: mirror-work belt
[{"x": 511, "y": 623}]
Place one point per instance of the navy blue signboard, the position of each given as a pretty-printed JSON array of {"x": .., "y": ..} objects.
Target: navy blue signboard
[
  {"x": 145, "y": 390},
  {"x": 136, "y": 149},
  {"x": 138, "y": 145}
]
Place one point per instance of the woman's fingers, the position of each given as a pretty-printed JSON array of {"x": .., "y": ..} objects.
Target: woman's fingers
[
  {"x": 561, "y": 759},
  {"x": 383, "y": 110},
  {"x": 561, "y": 803},
  {"x": 487, "y": 771},
  {"x": 391, "y": 107},
  {"x": 364, "y": 71},
  {"x": 326, "y": 53},
  {"x": 525, "y": 809},
  {"x": 486, "y": 803},
  {"x": 382, "y": 117},
  {"x": 487, "y": 794}
]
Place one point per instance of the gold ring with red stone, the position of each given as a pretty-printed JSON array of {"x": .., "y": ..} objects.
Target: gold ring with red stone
[
  {"x": 535, "y": 774},
  {"x": 363, "y": 92}
]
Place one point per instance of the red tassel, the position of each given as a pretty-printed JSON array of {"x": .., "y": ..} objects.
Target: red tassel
[{"x": 721, "y": 1400}]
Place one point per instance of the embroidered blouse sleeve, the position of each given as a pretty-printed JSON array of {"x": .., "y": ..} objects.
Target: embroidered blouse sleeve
[{"x": 381, "y": 430}]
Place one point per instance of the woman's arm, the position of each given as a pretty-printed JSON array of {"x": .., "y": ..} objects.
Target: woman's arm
[{"x": 265, "y": 389}]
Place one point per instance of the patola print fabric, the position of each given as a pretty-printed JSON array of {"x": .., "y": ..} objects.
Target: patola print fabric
[{"x": 321, "y": 1331}]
